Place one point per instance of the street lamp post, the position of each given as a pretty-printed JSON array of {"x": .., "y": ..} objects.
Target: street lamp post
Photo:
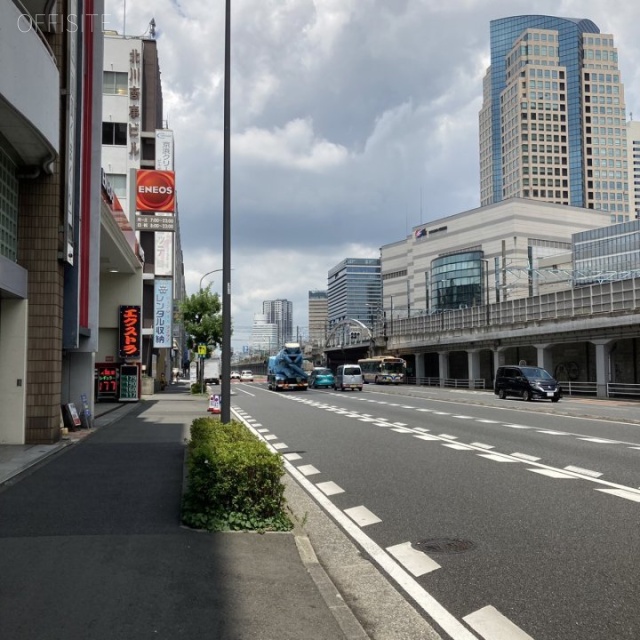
[{"x": 205, "y": 275}]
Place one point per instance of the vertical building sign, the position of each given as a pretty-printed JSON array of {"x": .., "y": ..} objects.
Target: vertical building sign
[
  {"x": 164, "y": 149},
  {"x": 162, "y": 313},
  {"x": 135, "y": 77},
  {"x": 164, "y": 253},
  {"x": 130, "y": 325}
]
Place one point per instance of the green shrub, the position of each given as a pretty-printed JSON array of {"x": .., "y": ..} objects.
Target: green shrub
[
  {"x": 234, "y": 481},
  {"x": 196, "y": 387}
]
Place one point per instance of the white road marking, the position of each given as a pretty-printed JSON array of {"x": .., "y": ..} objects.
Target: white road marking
[
  {"x": 421, "y": 597},
  {"x": 458, "y": 447},
  {"x": 401, "y": 430},
  {"x": 427, "y": 437},
  {"x": 481, "y": 445},
  {"x": 253, "y": 395},
  {"x": 270, "y": 437},
  {"x": 406, "y": 406},
  {"x": 584, "y": 472},
  {"x": 464, "y": 417},
  {"x": 263, "y": 430},
  {"x": 492, "y": 625},
  {"x": 599, "y": 440},
  {"x": 382, "y": 424},
  {"x": 495, "y": 457},
  {"x": 362, "y": 516},
  {"x": 424, "y": 410},
  {"x": 551, "y": 473},
  {"x": 440, "y": 413},
  {"x": 367, "y": 419},
  {"x": 400, "y": 424},
  {"x": 623, "y": 493},
  {"x": 525, "y": 456},
  {"x": 308, "y": 470},
  {"x": 329, "y": 488},
  {"x": 257, "y": 424},
  {"x": 414, "y": 561},
  {"x": 514, "y": 426},
  {"x": 446, "y": 435},
  {"x": 292, "y": 456},
  {"x": 485, "y": 421},
  {"x": 552, "y": 433},
  {"x": 280, "y": 445},
  {"x": 420, "y": 429}
]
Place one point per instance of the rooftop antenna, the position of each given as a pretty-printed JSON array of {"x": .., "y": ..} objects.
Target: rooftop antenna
[
  {"x": 152, "y": 28},
  {"x": 124, "y": 18},
  {"x": 421, "y": 204}
]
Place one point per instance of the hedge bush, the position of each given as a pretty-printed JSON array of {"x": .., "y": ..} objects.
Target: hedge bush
[{"x": 234, "y": 481}]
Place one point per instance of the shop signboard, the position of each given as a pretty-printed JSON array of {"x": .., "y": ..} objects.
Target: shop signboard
[
  {"x": 129, "y": 383},
  {"x": 130, "y": 331},
  {"x": 107, "y": 382}
]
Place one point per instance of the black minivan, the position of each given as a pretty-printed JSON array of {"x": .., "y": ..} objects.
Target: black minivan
[{"x": 527, "y": 383}]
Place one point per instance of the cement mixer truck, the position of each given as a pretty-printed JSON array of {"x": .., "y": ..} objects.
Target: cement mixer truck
[{"x": 284, "y": 370}]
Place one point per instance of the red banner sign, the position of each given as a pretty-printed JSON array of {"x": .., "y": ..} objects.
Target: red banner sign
[
  {"x": 130, "y": 332},
  {"x": 155, "y": 191}
]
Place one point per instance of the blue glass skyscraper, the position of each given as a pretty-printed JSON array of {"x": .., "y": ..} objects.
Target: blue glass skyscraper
[{"x": 552, "y": 125}]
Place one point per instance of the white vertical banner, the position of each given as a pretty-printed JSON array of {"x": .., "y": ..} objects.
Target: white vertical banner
[
  {"x": 162, "y": 313},
  {"x": 163, "y": 265},
  {"x": 164, "y": 149}
]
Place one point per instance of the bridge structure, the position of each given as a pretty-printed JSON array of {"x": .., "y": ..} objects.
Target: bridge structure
[{"x": 587, "y": 336}]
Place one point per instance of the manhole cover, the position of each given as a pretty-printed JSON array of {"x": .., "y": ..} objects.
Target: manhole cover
[{"x": 444, "y": 545}]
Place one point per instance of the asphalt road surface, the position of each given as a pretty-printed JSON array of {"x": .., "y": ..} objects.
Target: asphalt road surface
[{"x": 498, "y": 519}]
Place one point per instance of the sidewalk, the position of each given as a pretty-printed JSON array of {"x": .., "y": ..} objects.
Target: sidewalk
[{"x": 92, "y": 545}]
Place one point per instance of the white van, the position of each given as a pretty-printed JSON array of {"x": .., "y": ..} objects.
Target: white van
[{"x": 348, "y": 376}]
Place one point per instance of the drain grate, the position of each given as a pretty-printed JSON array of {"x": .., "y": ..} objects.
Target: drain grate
[{"x": 444, "y": 545}]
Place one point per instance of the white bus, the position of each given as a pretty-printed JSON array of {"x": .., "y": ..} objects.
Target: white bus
[{"x": 384, "y": 370}]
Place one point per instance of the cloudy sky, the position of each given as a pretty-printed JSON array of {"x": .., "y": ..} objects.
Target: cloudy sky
[{"x": 352, "y": 121}]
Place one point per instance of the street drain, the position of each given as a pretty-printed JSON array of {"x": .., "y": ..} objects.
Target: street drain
[{"x": 444, "y": 545}]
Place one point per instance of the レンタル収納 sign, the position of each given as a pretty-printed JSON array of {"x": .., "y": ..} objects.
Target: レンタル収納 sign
[{"x": 162, "y": 313}]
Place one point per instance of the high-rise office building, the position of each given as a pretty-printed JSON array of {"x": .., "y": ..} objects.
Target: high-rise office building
[
  {"x": 354, "y": 291},
  {"x": 280, "y": 313},
  {"x": 317, "y": 317},
  {"x": 553, "y": 123}
]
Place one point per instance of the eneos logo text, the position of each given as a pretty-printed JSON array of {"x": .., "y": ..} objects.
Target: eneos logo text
[{"x": 155, "y": 190}]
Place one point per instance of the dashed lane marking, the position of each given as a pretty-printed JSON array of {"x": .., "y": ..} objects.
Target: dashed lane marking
[
  {"x": 623, "y": 493},
  {"x": 414, "y": 561},
  {"x": 551, "y": 473},
  {"x": 292, "y": 456},
  {"x": 329, "y": 488},
  {"x": 362, "y": 516},
  {"x": 307, "y": 470},
  {"x": 492, "y": 625},
  {"x": 584, "y": 472}
]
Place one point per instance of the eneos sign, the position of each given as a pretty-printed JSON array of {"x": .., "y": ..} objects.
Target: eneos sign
[{"x": 155, "y": 190}]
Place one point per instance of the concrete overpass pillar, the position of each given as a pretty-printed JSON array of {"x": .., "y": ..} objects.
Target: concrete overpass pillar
[
  {"x": 498, "y": 359},
  {"x": 544, "y": 357},
  {"x": 473, "y": 360},
  {"x": 419, "y": 366},
  {"x": 603, "y": 366},
  {"x": 443, "y": 366}
]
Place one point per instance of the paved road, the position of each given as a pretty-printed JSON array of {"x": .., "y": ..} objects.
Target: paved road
[{"x": 499, "y": 519}]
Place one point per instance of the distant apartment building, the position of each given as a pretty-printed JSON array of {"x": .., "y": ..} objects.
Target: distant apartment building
[
  {"x": 553, "y": 123},
  {"x": 280, "y": 313},
  {"x": 264, "y": 335},
  {"x": 317, "y": 317},
  {"x": 354, "y": 291}
]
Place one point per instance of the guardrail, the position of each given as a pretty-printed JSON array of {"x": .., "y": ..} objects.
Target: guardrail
[
  {"x": 459, "y": 383},
  {"x": 619, "y": 389},
  {"x": 579, "y": 388}
]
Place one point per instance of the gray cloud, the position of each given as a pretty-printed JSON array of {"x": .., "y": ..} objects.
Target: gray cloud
[{"x": 352, "y": 121}]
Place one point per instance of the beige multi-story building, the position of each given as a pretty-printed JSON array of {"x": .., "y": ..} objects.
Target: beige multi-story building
[
  {"x": 552, "y": 124},
  {"x": 317, "y": 317}
]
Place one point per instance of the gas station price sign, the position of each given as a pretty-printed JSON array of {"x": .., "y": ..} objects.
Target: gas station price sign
[{"x": 107, "y": 381}]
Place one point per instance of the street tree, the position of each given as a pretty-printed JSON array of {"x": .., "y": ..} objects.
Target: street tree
[{"x": 202, "y": 317}]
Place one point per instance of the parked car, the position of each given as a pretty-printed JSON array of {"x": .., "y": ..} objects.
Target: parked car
[
  {"x": 527, "y": 383},
  {"x": 321, "y": 377},
  {"x": 235, "y": 375},
  {"x": 349, "y": 376},
  {"x": 246, "y": 376}
]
